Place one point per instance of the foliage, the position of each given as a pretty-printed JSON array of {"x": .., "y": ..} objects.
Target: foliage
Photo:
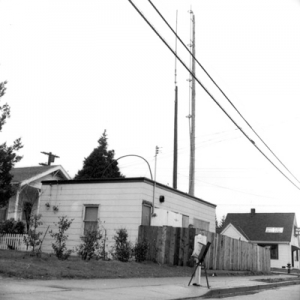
[
  {"x": 122, "y": 249},
  {"x": 59, "y": 246},
  {"x": 103, "y": 253},
  {"x": 219, "y": 225},
  {"x": 100, "y": 163},
  {"x": 90, "y": 245},
  {"x": 8, "y": 155},
  {"x": 140, "y": 251},
  {"x": 12, "y": 227},
  {"x": 33, "y": 237}
]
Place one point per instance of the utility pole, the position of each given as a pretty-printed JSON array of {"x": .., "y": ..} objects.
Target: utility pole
[
  {"x": 175, "y": 157},
  {"x": 193, "y": 114},
  {"x": 154, "y": 185},
  {"x": 51, "y": 158}
]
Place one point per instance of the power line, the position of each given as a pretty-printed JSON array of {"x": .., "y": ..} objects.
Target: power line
[
  {"x": 206, "y": 90},
  {"x": 222, "y": 91}
]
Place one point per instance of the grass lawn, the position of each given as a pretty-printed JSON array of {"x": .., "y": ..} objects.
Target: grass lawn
[{"x": 22, "y": 265}]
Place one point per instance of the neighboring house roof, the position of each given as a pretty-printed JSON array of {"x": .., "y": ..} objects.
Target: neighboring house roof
[
  {"x": 253, "y": 225},
  {"x": 237, "y": 228},
  {"x": 29, "y": 174}
]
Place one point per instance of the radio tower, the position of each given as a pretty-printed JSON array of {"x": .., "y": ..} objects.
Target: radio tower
[{"x": 192, "y": 116}]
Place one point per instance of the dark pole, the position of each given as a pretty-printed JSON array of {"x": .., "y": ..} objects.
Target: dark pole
[
  {"x": 175, "y": 140},
  {"x": 175, "y": 155}
]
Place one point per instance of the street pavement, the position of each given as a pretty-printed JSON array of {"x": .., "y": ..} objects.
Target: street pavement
[{"x": 133, "y": 288}]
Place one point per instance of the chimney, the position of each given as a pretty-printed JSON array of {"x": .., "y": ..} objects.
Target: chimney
[{"x": 252, "y": 212}]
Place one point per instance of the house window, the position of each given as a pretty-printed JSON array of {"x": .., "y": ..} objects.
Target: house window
[
  {"x": 274, "y": 251},
  {"x": 296, "y": 255},
  {"x": 90, "y": 218}
]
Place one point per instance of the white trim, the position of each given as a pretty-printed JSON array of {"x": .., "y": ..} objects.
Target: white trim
[{"x": 49, "y": 171}]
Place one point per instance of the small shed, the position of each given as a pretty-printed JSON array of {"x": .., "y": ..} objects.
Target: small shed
[{"x": 119, "y": 203}]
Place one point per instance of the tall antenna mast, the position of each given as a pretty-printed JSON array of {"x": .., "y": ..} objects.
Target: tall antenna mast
[
  {"x": 175, "y": 157},
  {"x": 193, "y": 114}
]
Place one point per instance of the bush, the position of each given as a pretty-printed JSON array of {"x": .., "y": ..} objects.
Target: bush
[
  {"x": 122, "y": 249},
  {"x": 33, "y": 237},
  {"x": 90, "y": 244},
  {"x": 12, "y": 227},
  {"x": 140, "y": 251},
  {"x": 59, "y": 246}
]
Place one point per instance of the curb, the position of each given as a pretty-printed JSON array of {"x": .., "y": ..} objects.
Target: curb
[{"x": 222, "y": 293}]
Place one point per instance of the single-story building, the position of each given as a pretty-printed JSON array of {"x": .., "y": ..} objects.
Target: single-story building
[
  {"x": 274, "y": 230},
  {"x": 119, "y": 203},
  {"x": 28, "y": 182}
]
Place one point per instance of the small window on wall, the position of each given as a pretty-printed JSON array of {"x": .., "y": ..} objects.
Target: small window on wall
[
  {"x": 274, "y": 251},
  {"x": 90, "y": 217}
]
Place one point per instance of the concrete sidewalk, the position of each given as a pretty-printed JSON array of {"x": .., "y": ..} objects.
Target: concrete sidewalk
[{"x": 133, "y": 289}]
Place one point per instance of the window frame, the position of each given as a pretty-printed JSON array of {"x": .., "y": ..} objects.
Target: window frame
[{"x": 85, "y": 206}]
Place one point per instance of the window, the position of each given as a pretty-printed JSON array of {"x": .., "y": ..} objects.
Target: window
[
  {"x": 296, "y": 255},
  {"x": 274, "y": 251},
  {"x": 274, "y": 229},
  {"x": 90, "y": 217}
]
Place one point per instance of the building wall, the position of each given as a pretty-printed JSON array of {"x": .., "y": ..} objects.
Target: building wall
[
  {"x": 120, "y": 206},
  {"x": 284, "y": 254},
  {"x": 182, "y": 204}
]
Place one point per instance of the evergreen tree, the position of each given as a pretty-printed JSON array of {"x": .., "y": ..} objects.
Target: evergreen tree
[
  {"x": 8, "y": 155},
  {"x": 100, "y": 163}
]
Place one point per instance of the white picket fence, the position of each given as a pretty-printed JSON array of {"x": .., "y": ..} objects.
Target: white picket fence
[{"x": 13, "y": 242}]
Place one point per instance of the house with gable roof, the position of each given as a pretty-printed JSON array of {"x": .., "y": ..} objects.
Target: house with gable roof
[
  {"x": 28, "y": 182},
  {"x": 274, "y": 230}
]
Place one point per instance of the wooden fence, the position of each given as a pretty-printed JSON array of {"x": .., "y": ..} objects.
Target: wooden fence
[
  {"x": 13, "y": 242},
  {"x": 171, "y": 245}
]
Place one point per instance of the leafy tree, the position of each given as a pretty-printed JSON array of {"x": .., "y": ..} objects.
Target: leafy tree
[
  {"x": 59, "y": 246},
  {"x": 8, "y": 155},
  {"x": 34, "y": 238},
  {"x": 100, "y": 163},
  {"x": 219, "y": 225}
]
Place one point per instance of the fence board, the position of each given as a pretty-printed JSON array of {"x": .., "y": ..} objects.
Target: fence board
[
  {"x": 13, "y": 242},
  {"x": 175, "y": 245}
]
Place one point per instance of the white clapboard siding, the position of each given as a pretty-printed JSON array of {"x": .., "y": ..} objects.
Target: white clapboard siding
[{"x": 13, "y": 242}]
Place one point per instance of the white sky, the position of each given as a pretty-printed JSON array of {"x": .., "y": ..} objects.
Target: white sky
[{"x": 75, "y": 68}]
